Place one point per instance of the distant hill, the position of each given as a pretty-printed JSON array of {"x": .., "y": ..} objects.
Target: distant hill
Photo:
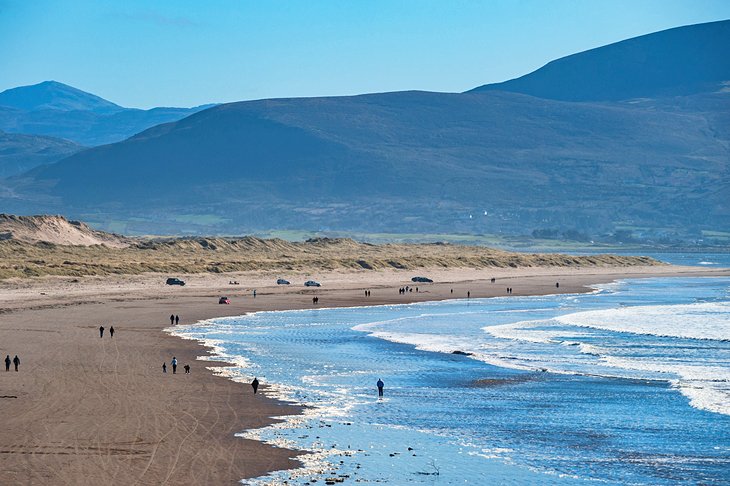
[
  {"x": 58, "y": 110},
  {"x": 52, "y": 95},
  {"x": 19, "y": 153},
  {"x": 408, "y": 162},
  {"x": 413, "y": 162},
  {"x": 675, "y": 62}
]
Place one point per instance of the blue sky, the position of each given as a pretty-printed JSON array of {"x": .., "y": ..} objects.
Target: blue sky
[{"x": 185, "y": 53}]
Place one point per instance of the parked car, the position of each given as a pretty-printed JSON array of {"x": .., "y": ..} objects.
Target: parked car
[
  {"x": 174, "y": 281},
  {"x": 224, "y": 300},
  {"x": 421, "y": 279},
  {"x": 312, "y": 283},
  {"x": 281, "y": 281}
]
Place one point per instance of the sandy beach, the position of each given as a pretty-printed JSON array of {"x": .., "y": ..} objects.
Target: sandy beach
[{"x": 89, "y": 410}]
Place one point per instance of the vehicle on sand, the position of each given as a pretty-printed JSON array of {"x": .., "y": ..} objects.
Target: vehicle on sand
[
  {"x": 174, "y": 281},
  {"x": 312, "y": 283},
  {"x": 281, "y": 281},
  {"x": 224, "y": 300},
  {"x": 421, "y": 279}
]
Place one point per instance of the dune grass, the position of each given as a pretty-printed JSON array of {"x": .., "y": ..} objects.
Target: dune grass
[{"x": 218, "y": 255}]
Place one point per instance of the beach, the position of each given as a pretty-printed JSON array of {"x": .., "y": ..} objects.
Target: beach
[{"x": 89, "y": 410}]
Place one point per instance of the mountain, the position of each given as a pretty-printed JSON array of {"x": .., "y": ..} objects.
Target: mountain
[
  {"x": 675, "y": 62},
  {"x": 19, "y": 153},
  {"x": 409, "y": 162},
  {"x": 58, "y": 110},
  {"x": 52, "y": 95}
]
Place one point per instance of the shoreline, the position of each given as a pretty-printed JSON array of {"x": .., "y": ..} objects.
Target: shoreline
[{"x": 92, "y": 410}]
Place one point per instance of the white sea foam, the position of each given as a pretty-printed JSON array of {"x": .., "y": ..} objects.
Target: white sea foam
[
  {"x": 707, "y": 320},
  {"x": 706, "y": 384},
  {"x": 439, "y": 343},
  {"x": 525, "y": 331}
]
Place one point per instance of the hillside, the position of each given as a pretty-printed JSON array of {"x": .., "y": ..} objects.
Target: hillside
[
  {"x": 55, "y": 230},
  {"x": 419, "y": 162},
  {"x": 19, "y": 153},
  {"x": 675, "y": 62},
  {"x": 58, "y": 110}
]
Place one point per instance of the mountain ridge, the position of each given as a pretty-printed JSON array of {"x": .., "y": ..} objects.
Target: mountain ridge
[
  {"x": 58, "y": 110},
  {"x": 692, "y": 59}
]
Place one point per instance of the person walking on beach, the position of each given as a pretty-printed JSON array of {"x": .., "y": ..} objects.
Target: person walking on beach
[
  {"x": 255, "y": 385},
  {"x": 177, "y": 320},
  {"x": 187, "y": 369},
  {"x": 172, "y": 319},
  {"x": 111, "y": 331},
  {"x": 164, "y": 367},
  {"x": 7, "y": 362},
  {"x": 16, "y": 362},
  {"x": 174, "y": 365},
  {"x": 468, "y": 294},
  {"x": 101, "y": 331},
  {"x": 380, "y": 388}
]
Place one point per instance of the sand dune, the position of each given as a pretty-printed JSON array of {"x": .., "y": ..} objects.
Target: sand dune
[
  {"x": 56, "y": 230},
  {"x": 219, "y": 255}
]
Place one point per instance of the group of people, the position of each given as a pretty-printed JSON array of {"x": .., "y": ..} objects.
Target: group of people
[
  {"x": 509, "y": 290},
  {"x": 173, "y": 363},
  {"x": 315, "y": 300},
  {"x": 174, "y": 319},
  {"x": 15, "y": 361},
  {"x": 406, "y": 289},
  {"x": 101, "y": 331},
  {"x": 367, "y": 293}
]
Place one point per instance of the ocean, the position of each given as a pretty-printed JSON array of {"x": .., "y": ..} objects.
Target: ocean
[{"x": 629, "y": 384}]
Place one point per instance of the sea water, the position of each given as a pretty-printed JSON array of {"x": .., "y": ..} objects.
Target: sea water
[{"x": 629, "y": 384}]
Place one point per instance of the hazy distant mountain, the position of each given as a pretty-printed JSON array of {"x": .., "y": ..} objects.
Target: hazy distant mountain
[
  {"x": 57, "y": 110},
  {"x": 680, "y": 61},
  {"x": 19, "y": 153},
  {"x": 478, "y": 162},
  {"x": 52, "y": 95}
]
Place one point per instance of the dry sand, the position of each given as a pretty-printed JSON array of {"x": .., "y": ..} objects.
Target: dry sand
[{"x": 85, "y": 410}]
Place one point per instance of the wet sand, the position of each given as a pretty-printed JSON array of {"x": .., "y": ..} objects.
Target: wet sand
[{"x": 90, "y": 410}]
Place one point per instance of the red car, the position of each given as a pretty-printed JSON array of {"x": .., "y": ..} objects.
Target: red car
[{"x": 224, "y": 300}]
